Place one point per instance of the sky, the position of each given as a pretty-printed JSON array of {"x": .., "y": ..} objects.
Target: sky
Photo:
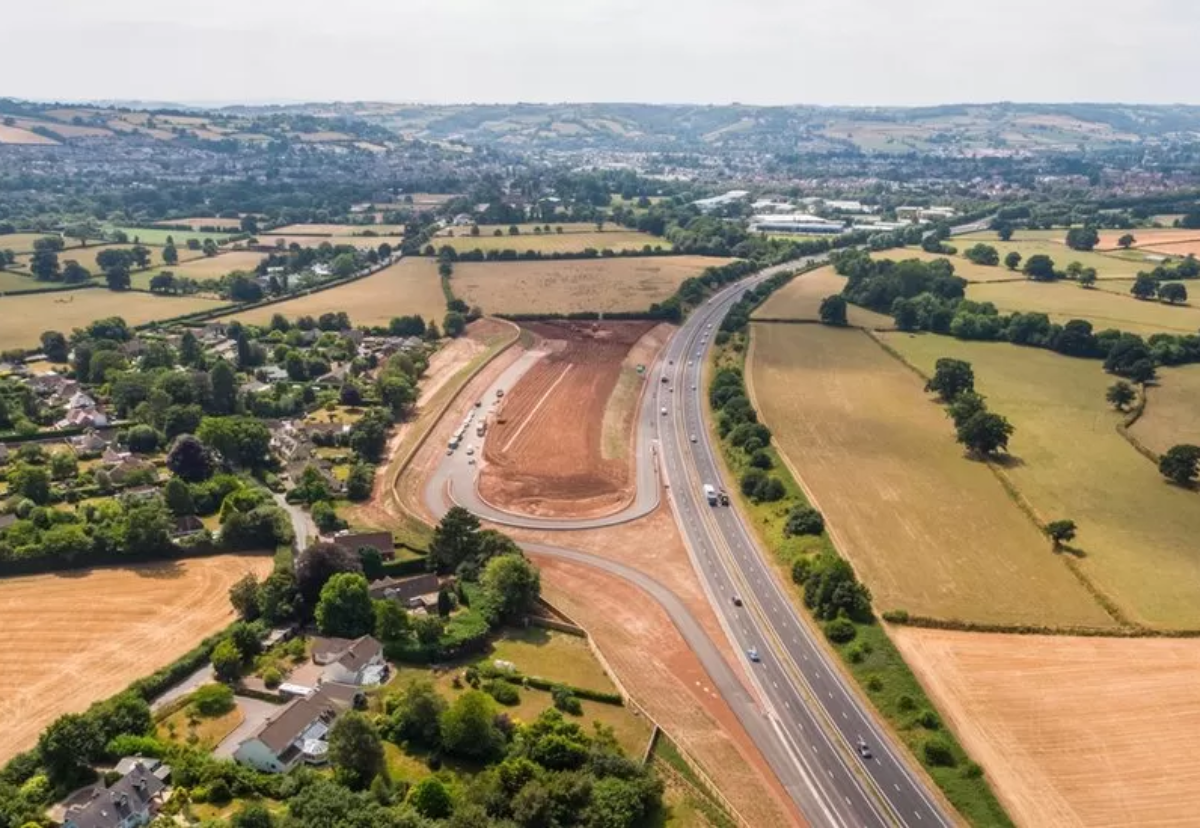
[{"x": 849, "y": 52}]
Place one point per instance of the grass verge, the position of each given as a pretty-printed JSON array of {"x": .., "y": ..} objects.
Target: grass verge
[{"x": 666, "y": 754}]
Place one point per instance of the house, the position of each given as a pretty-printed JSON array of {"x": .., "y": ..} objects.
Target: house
[
  {"x": 140, "y": 494},
  {"x": 254, "y": 387},
  {"x": 113, "y": 456},
  {"x": 187, "y": 526},
  {"x": 127, "y": 468},
  {"x": 321, "y": 270},
  {"x": 381, "y": 542},
  {"x": 90, "y": 442},
  {"x": 273, "y": 373},
  {"x": 357, "y": 662},
  {"x": 155, "y": 766},
  {"x": 52, "y": 383},
  {"x": 132, "y": 801},
  {"x": 296, "y": 734},
  {"x": 83, "y": 418},
  {"x": 415, "y": 592},
  {"x": 336, "y": 376}
]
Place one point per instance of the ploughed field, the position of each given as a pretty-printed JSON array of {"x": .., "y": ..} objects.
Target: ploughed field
[
  {"x": 544, "y": 450},
  {"x": 74, "y": 638},
  {"x": 928, "y": 530}
]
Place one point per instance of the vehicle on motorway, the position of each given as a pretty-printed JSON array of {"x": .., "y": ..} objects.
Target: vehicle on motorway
[
  {"x": 737, "y": 602},
  {"x": 710, "y": 494},
  {"x": 665, "y": 379},
  {"x": 449, "y": 451},
  {"x": 470, "y": 461},
  {"x": 752, "y": 653},
  {"x": 470, "y": 450},
  {"x": 479, "y": 403},
  {"x": 723, "y": 496},
  {"x": 693, "y": 438},
  {"x": 664, "y": 412},
  {"x": 499, "y": 392},
  {"x": 864, "y": 750}
]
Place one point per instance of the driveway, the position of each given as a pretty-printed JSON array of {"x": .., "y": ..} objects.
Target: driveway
[
  {"x": 256, "y": 713},
  {"x": 302, "y": 522},
  {"x": 202, "y": 676}
]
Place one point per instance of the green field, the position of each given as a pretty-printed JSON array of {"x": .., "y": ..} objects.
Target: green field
[
  {"x": 1138, "y": 533},
  {"x": 19, "y": 283},
  {"x": 158, "y": 235},
  {"x": 23, "y": 242},
  {"x": 928, "y": 530},
  {"x": 1064, "y": 301},
  {"x": 1117, "y": 265},
  {"x": 1172, "y": 414},
  {"x": 616, "y": 240},
  {"x": 962, "y": 267}
]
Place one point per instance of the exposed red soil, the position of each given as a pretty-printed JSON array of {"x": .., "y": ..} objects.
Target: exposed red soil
[{"x": 544, "y": 453}]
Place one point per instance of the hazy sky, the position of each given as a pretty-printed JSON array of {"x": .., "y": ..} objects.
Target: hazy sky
[{"x": 704, "y": 51}]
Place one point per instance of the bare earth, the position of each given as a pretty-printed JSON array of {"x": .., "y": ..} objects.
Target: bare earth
[
  {"x": 75, "y": 638},
  {"x": 1091, "y": 732},
  {"x": 543, "y": 454}
]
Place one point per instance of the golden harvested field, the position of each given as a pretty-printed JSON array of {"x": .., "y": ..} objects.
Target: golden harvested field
[
  {"x": 928, "y": 530},
  {"x": 1172, "y": 413},
  {"x": 557, "y": 243},
  {"x": 16, "y": 135},
  {"x": 411, "y": 286},
  {"x": 23, "y": 242},
  {"x": 75, "y": 638},
  {"x": 527, "y": 229},
  {"x": 1066, "y": 300},
  {"x": 26, "y": 317},
  {"x": 197, "y": 222},
  {"x": 962, "y": 267},
  {"x": 1095, "y": 732},
  {"x": 1117, "y": 265},
  {"x": 361, "y": 242},
  {"x": 1179, "y": 248},
  {"x": 624, "y": 284},
  {"x": 1137, "y": 531},
  {"x": 17, "y": 283},
  {"x": 802, "y": 297},
  {"x": 339, "y": 229},
  {"x": 214, "y": 267},
  {"x": 1148, "y": 237},
  {"x": 86, "y": 256}
]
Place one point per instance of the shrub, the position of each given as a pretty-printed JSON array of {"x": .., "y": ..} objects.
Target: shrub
[
  {"x": 929, "y": 720},
  {"x": 565, "y": 700},
  {"x": 503, "y": 691},
  {"x": 801, "y": 569},
  {"x": 769, "y": 490},
  {"x": 761, "y": 460},
  {"x": 840, "y": 630},
  {"x": 272, "y": 678},
  {"x": 213, "y": 700},
  {"x": 905, "y": 704},
  {"x": 937, "y": 753},
  {"x": 874, "y": 684},
  {"x": 804, "y": 520},
  {"x": 896, "y": 616},
  {"x": 856, "y": 654}
]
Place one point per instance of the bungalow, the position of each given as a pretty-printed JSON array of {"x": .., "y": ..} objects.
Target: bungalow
[
  {"x": 80, "y": 400},
  {"x": 90, "y": 442},
  {"x": 140, "y": 494},
  {"x": 297, "y": 734},
  {"x": 336, "y": 376},
  {"x": 357, "y": 662},
  {"x": 415, "y": 592},
  {"x": 187, "y": 526},
  {"x": 83, "y": 418},
  {"x": 381, "y": 542},
  {"x": 254, "y": 387},
  {"x": 127, "y": 468},
  {"x": 48, "y": 383},
  {"x": 132, "y": 801},
  {"x": 112, "y": 456},
  {"x": 273, "y": 373}
]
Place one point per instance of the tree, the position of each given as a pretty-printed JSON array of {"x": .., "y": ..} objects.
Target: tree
[
  {"x": 1087, "y": 277},
  {"x": 224, "y": 387},
  {"x": 985, "y": 433},
  {"x": 54, "y": 346},
  {"x": 67, "y": 745},
  {"x": 982, "y": 254},
  {"x": 1013, "y": 260},
  {"x": 1144, "y": 286},
  {"x": 355, "y": 750},
  {"x": 252, "y": 815},
  {"x": 417, "y": 715},
  {"x": 469, "y": 729},
  {"x": 511, "y": 586},
  {"x": 163, "y": 282},
  {"x": 1003, "y": 228},
  {"x": 1126, "y": 241},
  {"x": 345, "y": 609},
  {"x": 241, "y": 441},
  {"x": 190, "y": 459},
  {"x": 454, "y": 323},
  {"x": 391, "y": 621},
  {"x": 227, "y": 661},
  {"x": 1172, "y": 292},
  {"x": 360, "y": 481},
  {"x": 246, "y": 597},
  {"x": 833, "y": 310},
  {"x": 1120, "y": 395},
  {"x": 1181, "y": 464},
  {"x": 804, "y": 520},
  {"x": 178, "y": 498},
  {"x": 1061, "y": 531},
  {"x": 951, "y": 377},
  {"x": 44, "y": 266},
  {"x": 430, "y": 799},
  {"x": 170, "y": 255},
  {"x": 74, "y": 273},
  {"x": 1040, "y": 268},
  {"x": 318, "y": 564},
  {"x": 190, "y": 352},
  {"x": 142, "y": 439},
  {"x": 31, "y": 482},
  {"x": 1082, "y": 238},
  {"x": 455, "y": 539},
  {"x": 209, "y": 247}
]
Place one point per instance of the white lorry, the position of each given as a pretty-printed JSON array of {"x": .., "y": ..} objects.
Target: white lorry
[{"x": 710, "y": 494}]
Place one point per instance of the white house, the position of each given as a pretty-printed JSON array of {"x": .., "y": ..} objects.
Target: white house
[
  {"x": 296, "y": 734},
  {"x": 358, "y": 662},
  {"x": 130, "y": 802}
]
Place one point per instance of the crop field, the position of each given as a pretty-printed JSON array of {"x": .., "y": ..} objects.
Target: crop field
[
  {"x": 17, "y": 283},
  {"x": 214, "y": 267},
  {"x": 360, "y": 242},
  {"x": 1071, "y": 731},
  {"x": 557, "y": 243},
  {"x": 962, "y": 267},
  {"x": 411, "y": 286},
  {"x": 26, "y": 317},
  {"x": 527, "y": 229},
  {"x": 607, "y": 285},
  {"x": 1123, "y": 265},
  {"x": 1178, "y": 248},
  {"x": 16, "y": 135},
  {"x": 801, "y": 299},
  {"x": 1172, "y": 414},
  {"x": 158, "y": 236},
  {"x": 1148, "y": 238},
  {"x": 928, "y": 530},
  {"x": 536, "y": 466},
  {"x": 1066, "y": 300},
  {"x": 196, "y": 222},
  {"x": 80, "y": 637},
  {"x": 1137, "y": 532},
  {"x": 340, "y": 229},
  {"x": 23, "y": 242},
  {"x": 86, "y": 256}
]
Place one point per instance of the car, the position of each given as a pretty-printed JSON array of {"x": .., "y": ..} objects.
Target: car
[
  {"x": 693, "y": 386},
  {"x": 693, "y": 438},
  {"x": 479, "y": 403},
  {"x": 470, "y": 450},
  {"x": 664, "y": 412},
  {"x": 449, "y": 451},
  {"x": 670, "y": 362},
  {"x": 470, "y": 461},
  {"x": 737, "y": 602},
  {"x": 752, "y": 654},
  {"x": 864, "y": 750},
  {"x": 689, "y": 363},
  {"x": 672, "y": 389}
]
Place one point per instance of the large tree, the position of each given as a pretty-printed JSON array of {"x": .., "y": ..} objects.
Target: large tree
[
  {"x": 344, "y": 608},
  {"x": 1040, "y": 268},
  {"x": 1120, "y": 395},
  {"x": 1181, "y": 464},
  {"x": 951, "y": 377},
  {"x": 833, "y": 310},
  {"x": 1082, "y": 238},
  {"x": 355, "y": 750},
  {"x": 985, "y": 433},
  {"x": 417, "y": 715},
  {"x": 320, "y": 562},
  {"x": 511, "y": 586},
  {"x": 469, "y": 727},
  {"x": 190, "y": 459}
]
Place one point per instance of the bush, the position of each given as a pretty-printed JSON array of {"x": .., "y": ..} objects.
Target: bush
[
  {"x": 840, "y": 630},
  {"x": 929, "y": 720},
  {"x": 801, "y": 569},
  {"x": 213, "y": 700},
  {"x": 874, "y": 684},
  {"x": 566, "y": 701},
  {"x": 937, "y": 753},
  {"x": 905, "y": 704},
  {"x": 769, "y": 490},
  {"x": 503, "y": 691},
  {"x": 856, "y": 654},
  {"x": 761, "y": 460},
  {"x": 272, "y": 678},
  {"x": 804, "y": 520}
]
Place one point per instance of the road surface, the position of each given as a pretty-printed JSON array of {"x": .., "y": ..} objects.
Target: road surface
[{"x": 807, "y": 721}]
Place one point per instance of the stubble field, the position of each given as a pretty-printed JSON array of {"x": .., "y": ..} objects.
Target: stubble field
[
  {"x": 410, "y": 286},
  {"x": 928, "y": 530},
  {"x": 359, "y": 242},
  {"x": 1172, "y": 413},
  {"x": 26, "y": 317},
  {"x": 1071, "y": 731},
  {"x": 1137, "y": 532},
  {"x": 801, "y": 299},
  {"x": 196, "y": 222},
  {"x": 23, "y": 242},
  {"x": 556, "y": 243},
  {"x": 1118, "y": 265},
  {"x": 77, "y": 637},
  {"x": 606, "y": 285},
  {"x": 339, "y": 229},
  {"x": 534, "y": 464}
]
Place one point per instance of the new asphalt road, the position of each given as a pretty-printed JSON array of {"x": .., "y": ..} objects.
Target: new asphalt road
[{"x": 836, "y": 763}]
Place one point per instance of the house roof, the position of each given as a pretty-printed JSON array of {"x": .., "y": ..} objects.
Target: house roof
[
  {"x": 325, "y": 650},
  {"x": 109, "y": 808},
  {"x": 382, "y": 542},
  {"x": 361, "y": 653},
  {"x": 405, "y": 588},
  {"x": 284, "y": 729}
]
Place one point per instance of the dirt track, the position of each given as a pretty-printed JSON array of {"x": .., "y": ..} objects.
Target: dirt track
[
  {"x": 1072, "y": 731},
  {"x": 535, "y": 465},
  {"x": 74, "y": 638}
]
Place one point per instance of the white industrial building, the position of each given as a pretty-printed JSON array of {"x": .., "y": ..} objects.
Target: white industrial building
[
  {"x": 706, "y": 204},
  {"x": 795, "y": 223}
]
